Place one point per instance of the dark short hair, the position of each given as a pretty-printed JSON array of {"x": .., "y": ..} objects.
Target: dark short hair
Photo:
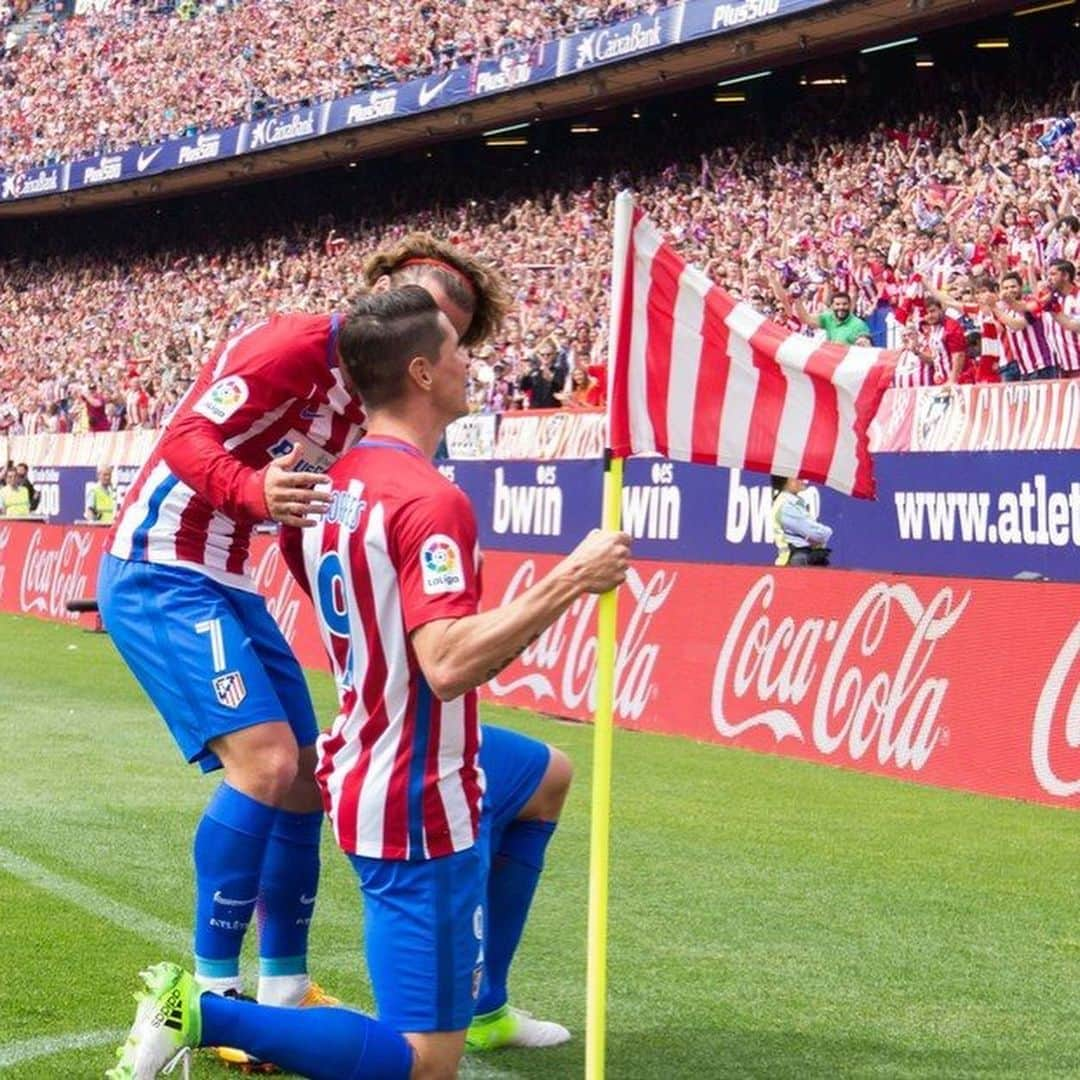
[
  {"x": 383, "y": 332},
  {"x": 1012, "y": 275},
  {"x": 1064, "y": 264},
  {"x": 778, "y": 484},
  {"x": 841, "y": 296}
]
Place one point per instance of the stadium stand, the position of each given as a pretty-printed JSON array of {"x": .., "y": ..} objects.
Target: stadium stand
[
  {"x": 886, "y": 196},
  {"x": 139, "y": 72}
]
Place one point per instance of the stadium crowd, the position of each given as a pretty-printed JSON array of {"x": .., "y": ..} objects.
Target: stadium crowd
[
  {"x": 141, "y": 71},
  {"x": 943, "y": 205}
]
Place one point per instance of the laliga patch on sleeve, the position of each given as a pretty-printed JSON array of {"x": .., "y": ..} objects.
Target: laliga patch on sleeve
[
  {"x": 223, "y": 399},
  {"x": 440, "y": 566}
]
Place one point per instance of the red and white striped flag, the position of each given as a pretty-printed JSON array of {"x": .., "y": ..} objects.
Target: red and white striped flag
[{"x": 699, "y": 376}]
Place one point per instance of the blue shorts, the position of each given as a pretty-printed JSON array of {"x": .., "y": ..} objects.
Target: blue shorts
[
  {"x": 424, "y": 937},
  {"x": 210, "y": 658},
  {"x": 513, "y": 766},
  {"x": 424, "y": 920}
]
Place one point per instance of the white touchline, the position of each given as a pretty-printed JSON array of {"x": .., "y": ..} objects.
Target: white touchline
[
  {"x": 150, "y": 929},
  {"x": 90, "y": 900},
  {"x": 46, "y": 1045}
]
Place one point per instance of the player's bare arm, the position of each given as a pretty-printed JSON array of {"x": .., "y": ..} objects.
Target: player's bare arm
[{"x": 457, "y": 655}]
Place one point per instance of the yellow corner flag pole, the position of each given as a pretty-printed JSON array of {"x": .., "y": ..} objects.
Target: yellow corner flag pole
[
  {"x": 600, "y": 834},
  {"x": 607, "y": 612}
]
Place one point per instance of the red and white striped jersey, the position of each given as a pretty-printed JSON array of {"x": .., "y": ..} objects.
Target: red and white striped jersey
[
  {"x": 935, "y": 268},
  {"x": 398, "y": 769},
  {"x": 1026, "y": 252},
  {"x": 989, "y": 330},
  {"x": 862, "y": 285},
  {"x": 1028, "y": 347},
  {"x": 941, "y": 340},
  {"x": 944, "y": 340},
  {"x": 912, "y": 370},
  {"x": 199, "y": 495},
  {"x": 1064, "y": 343}
]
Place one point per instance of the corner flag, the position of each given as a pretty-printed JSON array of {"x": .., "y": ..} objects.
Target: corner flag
[
  {"x": 695, "y": 375},
  {"x": 699, "y": 376}
]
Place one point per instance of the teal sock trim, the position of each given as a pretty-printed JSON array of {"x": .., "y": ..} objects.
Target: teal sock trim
[
  {"x": 217, "y": 969},
  {"x": 283, "y": 965}
]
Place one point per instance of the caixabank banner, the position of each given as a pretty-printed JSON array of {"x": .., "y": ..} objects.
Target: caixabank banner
[{"x": 952, "y": 682}]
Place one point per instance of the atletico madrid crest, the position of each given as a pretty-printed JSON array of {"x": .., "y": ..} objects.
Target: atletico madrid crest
[{"x": 230, "y": 689}]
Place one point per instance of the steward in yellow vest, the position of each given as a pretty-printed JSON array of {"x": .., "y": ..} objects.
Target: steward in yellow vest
[
  {"x": 14, "y": 496},
  {"x": 800, "y": 539},
  {"x": 101, "y": 499}
]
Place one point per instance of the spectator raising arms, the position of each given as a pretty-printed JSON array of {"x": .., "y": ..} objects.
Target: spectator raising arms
[{"x": 846, "y": 225}]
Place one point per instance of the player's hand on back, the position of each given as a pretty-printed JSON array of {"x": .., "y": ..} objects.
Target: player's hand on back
[
  {"x": 295, "y": 498},
  {"x": 601, "y": 560}
]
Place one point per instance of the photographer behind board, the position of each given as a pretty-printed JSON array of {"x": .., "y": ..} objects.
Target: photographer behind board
[{"x": 800, "y": 539}]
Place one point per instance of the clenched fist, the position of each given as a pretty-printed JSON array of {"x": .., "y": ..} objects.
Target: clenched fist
[{"x": 601, "y": 560}]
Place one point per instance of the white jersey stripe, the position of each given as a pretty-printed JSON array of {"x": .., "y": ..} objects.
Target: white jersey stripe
[
  {"x": 451, "y": 789},
  {"x": 231, "y": 344},
  {"x": 371, "y": 807},
  {"x": 260, "y": 425},
  {"x": 137, "y": 512},
  {"x": 321, "y": 426},
  {"x": 391, "y": 636},
  {"x": 161, "y": 537}
]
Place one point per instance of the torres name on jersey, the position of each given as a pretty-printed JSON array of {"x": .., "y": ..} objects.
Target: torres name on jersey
[
  {"x": 397, "y": 549},
  {"x": 266, "y": 389}
]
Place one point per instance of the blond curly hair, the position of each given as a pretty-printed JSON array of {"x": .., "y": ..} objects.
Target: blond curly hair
[{"x": 473, "y": 284}]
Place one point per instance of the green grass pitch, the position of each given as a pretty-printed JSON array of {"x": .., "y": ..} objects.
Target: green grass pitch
[{"x": 769, "y": 918}]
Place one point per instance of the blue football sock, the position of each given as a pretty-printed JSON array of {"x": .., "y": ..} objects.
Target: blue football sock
[
  {"x": 287, "y": 886},
  {"x": 229, "y": 846},
  {"x": 321, "y": 1043},
  {"x": 515, "y": 872}
]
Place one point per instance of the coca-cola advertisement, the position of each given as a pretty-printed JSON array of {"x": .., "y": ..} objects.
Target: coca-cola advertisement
[
  {"x": 954, "y": 682},
  {"x": 42, "y": 567},
  {"x": 942, "y": 681}
]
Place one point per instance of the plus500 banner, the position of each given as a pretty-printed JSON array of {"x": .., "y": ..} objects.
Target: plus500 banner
[
  {"x": 583, "y": 51},
  {"x": 976, "y": 514}
]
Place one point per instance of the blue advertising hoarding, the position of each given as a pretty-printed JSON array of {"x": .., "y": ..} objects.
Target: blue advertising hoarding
[
  {"x": 973, "y": 514},
  {"x": 994, "y": 514},
  {"x": 581, "y": 52}
]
